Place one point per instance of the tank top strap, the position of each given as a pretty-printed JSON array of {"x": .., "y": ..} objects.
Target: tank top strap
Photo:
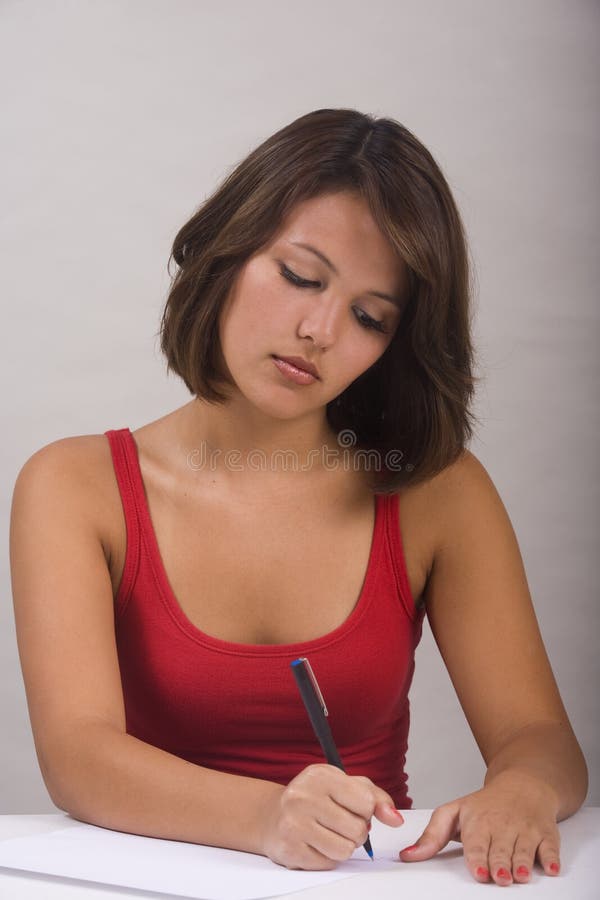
[
  {"x": 396, "y": 551},
  {"x": 131, "y": 489}
]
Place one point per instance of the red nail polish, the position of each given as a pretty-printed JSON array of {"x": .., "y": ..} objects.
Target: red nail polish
[
  {"x": 522, "y": 870},
  {"x": 369, "y": 827},
  {"x": 482, "y": 873},
  {"x": 502, "y": 873},
  {"x": 409, "y": 849},
  {"x": 554, "y": 867}
]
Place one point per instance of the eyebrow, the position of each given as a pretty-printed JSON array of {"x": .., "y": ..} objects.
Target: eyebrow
[{"x": 397, "y": 301}]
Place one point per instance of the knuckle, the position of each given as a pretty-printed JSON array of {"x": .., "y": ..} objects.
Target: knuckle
[
  {"x": 442, "y": 810},
  {"x": 475, "y": 851},
  {"x": 326, "y": 865},
  {"x": 362, "y": 779},
  {"x": 500, "y": 853},
  {"x": 551, "y": 838},
  {"x": 522, "y": 856},
  {"x": 294, "y": 794},
  {"x": 523, "y": 847},
  {"x": 439, "y": 810},
  {"x": 359, "y": 834},
  {"x": 346, "y": 848},
  {"x": 364, "y": 791},
  {"x": 315, "y": 770},
  {"x": 365, "y": 805}
]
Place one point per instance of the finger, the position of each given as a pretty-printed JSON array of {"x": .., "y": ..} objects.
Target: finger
[
  {"x": 476, "y": 849},
  {"x": 502, "y": 846},
  {"x": 384, "y": 807},
  {"x": 340, "y": 821},
  {"x": 548, "y": 852},
  {"x": 441, "y": 828},
  {"x": 309, "y": 859},
  {"x": 386, "y": 812},
  {"x": 332, "y": 844},
  {"x": 366, "y": 799},
  {"x": 523, "y": 858}
]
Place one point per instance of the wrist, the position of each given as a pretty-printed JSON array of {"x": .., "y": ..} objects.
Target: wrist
[
  {"x": 522, "y": 782},
  {"x": 266, "y": 812}
]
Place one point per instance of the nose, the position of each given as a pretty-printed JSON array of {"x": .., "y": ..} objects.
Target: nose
[{"x": 322, "y": 320}]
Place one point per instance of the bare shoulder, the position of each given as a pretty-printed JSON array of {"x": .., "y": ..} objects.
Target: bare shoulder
[
  {"x": 78, "y": 470},
  {"x": 427, "y": 507},
  {"x": 466, "y": 472},
  {"x": 80, "y": 462},
  {"x": 437, "y": 512},
  {"x": 462, "y": 493}
]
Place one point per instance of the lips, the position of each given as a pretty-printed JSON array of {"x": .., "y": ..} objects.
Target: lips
[{"x": 300, "y": 363}]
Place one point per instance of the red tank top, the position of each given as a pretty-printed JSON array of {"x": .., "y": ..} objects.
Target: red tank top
[{"x": 236, "y": 707}]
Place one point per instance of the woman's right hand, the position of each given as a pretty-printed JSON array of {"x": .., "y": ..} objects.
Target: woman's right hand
[{"x": 322, "y": 816}]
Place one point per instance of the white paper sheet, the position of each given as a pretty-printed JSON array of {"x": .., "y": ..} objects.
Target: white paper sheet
[
  {"x": 173, "y": 867},
  {"x": 74, "y": 850}
]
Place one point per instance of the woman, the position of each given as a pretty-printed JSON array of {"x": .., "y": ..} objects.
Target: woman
[{"x": 315, "y": 498}]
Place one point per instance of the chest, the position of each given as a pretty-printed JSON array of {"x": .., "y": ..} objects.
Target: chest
[{"x": 274, "y": 570}]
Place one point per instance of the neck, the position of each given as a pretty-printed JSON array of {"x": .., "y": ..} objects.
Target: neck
[{"x": 237, "y": 440}]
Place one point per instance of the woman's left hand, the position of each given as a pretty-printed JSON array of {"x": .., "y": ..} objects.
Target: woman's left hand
[{"x": 504, "y": 828}]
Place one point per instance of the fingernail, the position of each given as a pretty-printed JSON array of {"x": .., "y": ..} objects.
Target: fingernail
[
  {"x": 522, "y": 870},
  {"x": 554, "y": 867},
  {"x": 410, "y": 849},
  {"x": 395, "y": 811},
  {"x": 502, "y": 873},
  {"x": 482, "y": 873},
  {"x": 369, "y": 827}
]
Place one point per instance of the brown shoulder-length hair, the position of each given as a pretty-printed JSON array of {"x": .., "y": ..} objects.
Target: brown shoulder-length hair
[{"x": 409, "y": 412}]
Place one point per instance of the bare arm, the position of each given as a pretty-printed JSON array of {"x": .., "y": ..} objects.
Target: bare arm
[
  {"x": 112, "y": 779},
  {"x": 92, "y": 768},
  {"x": 482, "y": 618}
]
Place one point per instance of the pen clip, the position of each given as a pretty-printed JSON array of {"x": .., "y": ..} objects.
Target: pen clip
[{"x": 315, "y": 684}]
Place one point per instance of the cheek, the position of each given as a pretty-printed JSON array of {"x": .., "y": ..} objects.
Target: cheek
[
  {"x": 249, "y": 317},
  {"x": 257, "y": 301}
]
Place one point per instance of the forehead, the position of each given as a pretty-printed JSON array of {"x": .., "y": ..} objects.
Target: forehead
[
  {"x": 341, "y": 225},
  {"x": 341, "y": 213}
]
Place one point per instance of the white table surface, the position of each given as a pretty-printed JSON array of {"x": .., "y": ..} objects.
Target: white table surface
[{"x": 579, "y": 878}]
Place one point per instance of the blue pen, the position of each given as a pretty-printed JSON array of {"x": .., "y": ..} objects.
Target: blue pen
[{"x": 317, "y": 711}]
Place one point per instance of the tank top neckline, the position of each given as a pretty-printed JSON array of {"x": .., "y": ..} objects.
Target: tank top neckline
[{"x": 186, "y": 625}]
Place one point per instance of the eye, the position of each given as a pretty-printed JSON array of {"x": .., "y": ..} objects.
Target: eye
[
  {"x": 361, "y": 317},
  {"x": 297, "y": 280},
  {"x": 367, "y": 322}
]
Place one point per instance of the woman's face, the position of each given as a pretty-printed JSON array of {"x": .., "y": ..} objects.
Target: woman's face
[{"x": 288, "y": 302}]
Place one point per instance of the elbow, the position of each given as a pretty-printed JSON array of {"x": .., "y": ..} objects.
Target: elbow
[
  {"x": 72, "y": 767},
  {"x": 53, "y": 783},
  {"x": 585, "y": 778},
  {"x": 55, "y": 779}
]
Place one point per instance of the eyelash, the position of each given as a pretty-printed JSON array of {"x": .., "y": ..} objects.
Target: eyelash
[{"x": 367, "y": 322}]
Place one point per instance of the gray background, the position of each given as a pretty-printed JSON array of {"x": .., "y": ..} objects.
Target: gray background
[{"x": 118, "y": 118}]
